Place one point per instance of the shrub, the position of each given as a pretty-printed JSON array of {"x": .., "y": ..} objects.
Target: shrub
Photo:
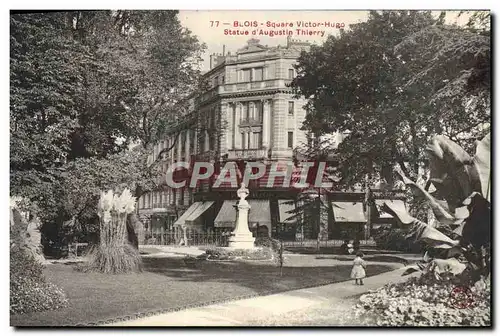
[
  {"x": 227, "y": 254},
  {"x": 395, "y": 239},
  {"x": 425, "y": 302},
  {"x": 29, "y": 290},
  {"x": 114, "y": 259},
  {"x": 271, "y": 243}
]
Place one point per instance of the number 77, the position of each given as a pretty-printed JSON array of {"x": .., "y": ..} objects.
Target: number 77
[{"x": 214, "y": 22}]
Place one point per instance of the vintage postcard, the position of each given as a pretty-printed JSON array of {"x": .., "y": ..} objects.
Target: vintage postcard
[{"x": 250, "y": 168}]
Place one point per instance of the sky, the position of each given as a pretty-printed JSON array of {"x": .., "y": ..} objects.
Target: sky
[{"x": 209, "y": 26}]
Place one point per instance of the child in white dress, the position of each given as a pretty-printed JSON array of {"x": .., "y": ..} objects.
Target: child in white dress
[{"x": 358, "y": 269}]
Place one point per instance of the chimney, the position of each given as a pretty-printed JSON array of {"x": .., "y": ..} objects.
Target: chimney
[{"x": 223, "y": 50}]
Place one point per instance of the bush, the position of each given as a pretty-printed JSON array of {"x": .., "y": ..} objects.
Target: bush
[
  {"x": 425, "y": 302},
  {"x": 227, "y": 254},
  {"x": 114, "y": 260},
  {"x": 270, "y": 243},
  {"x": 394, "y": 239},
  {"x": 29, "y": 290}
]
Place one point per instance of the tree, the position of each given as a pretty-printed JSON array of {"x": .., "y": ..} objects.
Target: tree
[
  {"x": 84, "y": 86},
  {"x": 391, "y": 83},
  {"x": 44, "y": 86},
  {"x": 149, "y": 69},
  {"x": 312, "y": 208},
  {"x": 87, "y": 84},
  {"x": 80, "y": 186}
]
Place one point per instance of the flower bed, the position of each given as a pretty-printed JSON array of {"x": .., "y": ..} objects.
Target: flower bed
[
  {"x": 423, "y": 302},
  {"x": 271, "y": 243},
  {"x": 245, "y": 254}
]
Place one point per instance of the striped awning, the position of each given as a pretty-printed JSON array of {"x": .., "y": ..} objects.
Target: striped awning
[
  {"x": 398, "y": 204},
  {"x": 350, "y": 212},
  {"x": 227, "y": 215},
  {"x": 285, "y": 208},
  {"x": 182, "y": 219},
  {"x": 193, "y": 216},
  {"x": 259, "y": 214}
]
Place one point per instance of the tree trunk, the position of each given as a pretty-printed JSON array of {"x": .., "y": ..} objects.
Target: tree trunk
[{"x": 131, "y": 234}]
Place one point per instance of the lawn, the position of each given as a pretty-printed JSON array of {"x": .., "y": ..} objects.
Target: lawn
[{"x": 168, "y": 283}]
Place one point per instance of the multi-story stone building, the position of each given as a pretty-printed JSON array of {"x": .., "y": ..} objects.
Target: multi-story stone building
[{"x": 249, "y": 113}]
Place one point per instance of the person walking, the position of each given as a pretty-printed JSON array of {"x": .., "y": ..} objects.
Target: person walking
[{"x": 358, "y": 268}]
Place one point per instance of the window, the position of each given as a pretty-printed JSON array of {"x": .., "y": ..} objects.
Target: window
[
  {"x": 246, "y": 111},
  {"x": 183, "y": 143},
  {"x": 260, "y": 111},
  {"x": 247, "y": 75},
  {"x": 174, "y": 194},
  {"x": 213, "y": 141},
  {"x": 192, "y": 139},
  {"x": 222, "y": 78},
  {"x": 216, "y": 81},
  {"x": 291, "y": 106},
  {"x": 181, "y": 197},
  {"x": 212, "y": 117},
  {"x": 252, "y": 111},
  {"x": 257, "y": 140},
  {"x": 258, "y": 74},
  {"x": 291, "y": 73},
  {"x": 242, "y": 140},
  {"x": 290, "y": 139}
]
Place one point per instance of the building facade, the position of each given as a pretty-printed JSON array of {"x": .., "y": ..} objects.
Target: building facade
[{"x": 248, "y": 113}]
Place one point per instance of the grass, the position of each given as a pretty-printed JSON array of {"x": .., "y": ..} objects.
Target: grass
[
  {"x": 148, "y": 250},
  {"x": 171, "y": 283}
]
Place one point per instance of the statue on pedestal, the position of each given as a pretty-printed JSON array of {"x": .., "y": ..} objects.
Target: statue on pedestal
[
  {"x": 241, "y": 236},
  {"x": 242, "y": 192}
]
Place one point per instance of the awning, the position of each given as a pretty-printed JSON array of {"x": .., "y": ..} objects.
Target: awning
[
  {"x": 285, "y": 208},
  {"x": 182, "y": 219},
  {"x": 260, "y": 213},
  {"x": 193, "y": 216},
  {"x": 226, "y": 216},
  {"x": 398, "y": 204},
  {"x": 351, "y": 212}
]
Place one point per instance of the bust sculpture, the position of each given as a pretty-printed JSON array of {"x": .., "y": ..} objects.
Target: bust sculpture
[{"x": 242, "y": 192}]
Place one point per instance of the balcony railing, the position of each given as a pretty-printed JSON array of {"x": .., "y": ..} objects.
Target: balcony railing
[
  {"x": 206, "y": 156},
  {"x": 234, "y": 154},
  {"x": 246, "y": 86},
  {"x": 257, "y": 85},
  {"x": 250, "y": 122}
]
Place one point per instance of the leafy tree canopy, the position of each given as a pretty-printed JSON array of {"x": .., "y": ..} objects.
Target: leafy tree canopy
[
  {"x": 393, "y": 82},
  {"x": 88, "y": 83},
  {"x": 85, "y": 85}
]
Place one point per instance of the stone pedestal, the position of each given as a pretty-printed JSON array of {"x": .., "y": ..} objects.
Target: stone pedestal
[{"x": 241, "y": 237}]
